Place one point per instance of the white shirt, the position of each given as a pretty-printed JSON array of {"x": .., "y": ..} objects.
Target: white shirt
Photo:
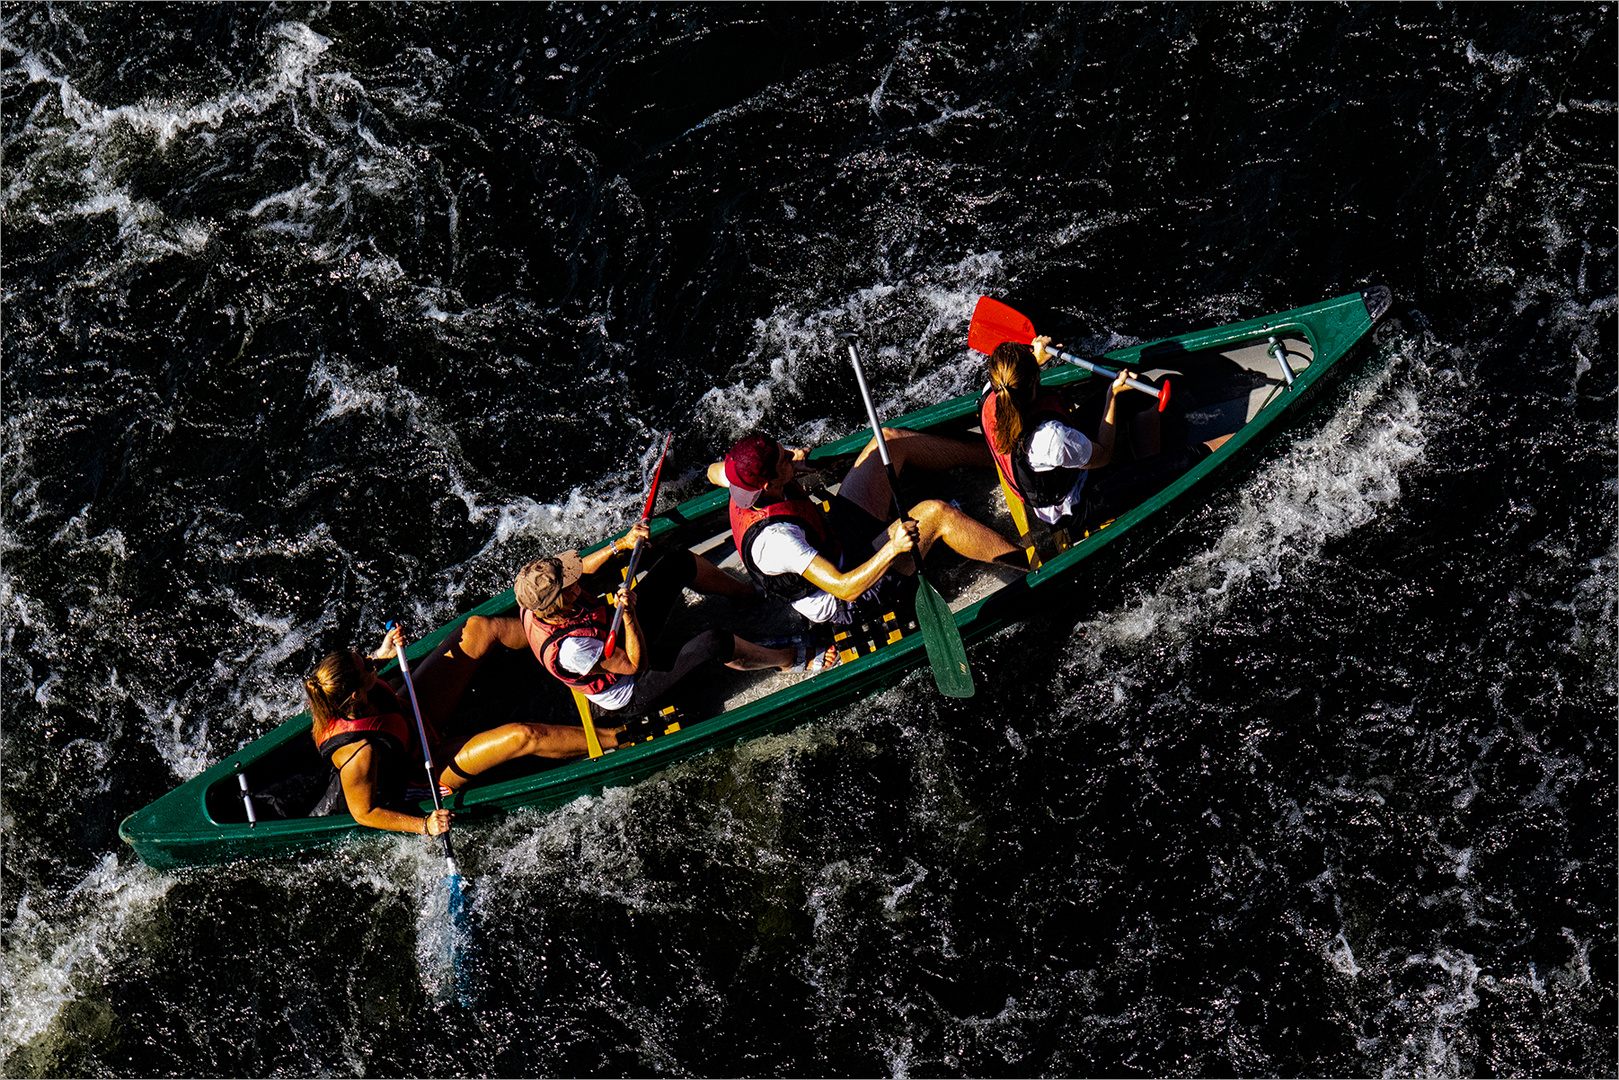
[
  {"x": 1055, "y": 445},
  {"x": 782, "y": 548},
  {"x": 579, "y": 655}
]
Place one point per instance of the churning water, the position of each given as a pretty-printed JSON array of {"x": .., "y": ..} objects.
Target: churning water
[{"x": 317, "y": 315}]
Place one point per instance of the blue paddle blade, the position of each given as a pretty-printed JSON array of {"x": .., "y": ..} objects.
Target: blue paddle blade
[{"x": 445, "y": 949}]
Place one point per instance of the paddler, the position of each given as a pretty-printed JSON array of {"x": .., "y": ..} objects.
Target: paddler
[
  {"x": 366, "y": 731},
  {"x": 1070, "y": 481},
  {"x": 829, "y": 564},
  {"x": 567, "y": 625}
]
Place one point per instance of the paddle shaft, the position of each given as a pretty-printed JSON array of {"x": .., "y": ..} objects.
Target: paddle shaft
[
  {"x": 635, "y": 553},
  {"x": 877, "y": 432},
  {"x": 994, "y": 322},
  {"x": 427, "y": 753},
  {"x": 940, "y": 634},
  {"x": 1070, "y": 358}
]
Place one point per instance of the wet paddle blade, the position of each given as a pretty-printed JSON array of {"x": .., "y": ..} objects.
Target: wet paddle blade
[
  {"x": 942, "y": 636},
  {"x": 994, "y": 322},
  {"x": 445, "y": 946}
]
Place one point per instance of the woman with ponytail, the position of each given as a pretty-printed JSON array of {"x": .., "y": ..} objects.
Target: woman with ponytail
[
  {"x": 1050, "y": 463},
  {"x": 366, "y": 731}
]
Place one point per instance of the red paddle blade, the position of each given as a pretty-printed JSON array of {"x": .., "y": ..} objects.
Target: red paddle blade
[
  {"x": 607, "y": 650},
  {"x": 1163, "y": 397},
  {"x": 994, "y": 322}
]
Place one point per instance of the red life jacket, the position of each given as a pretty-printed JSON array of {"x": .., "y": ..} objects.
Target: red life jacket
[
  {"x": 592, "y": 620},
  {"x": 398, "y": 734},
  {"x": 1036, "y": 488},
  {"x": 794, "y": 508}
]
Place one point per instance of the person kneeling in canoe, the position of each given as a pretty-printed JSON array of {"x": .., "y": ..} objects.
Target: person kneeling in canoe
[
  {"x": 369, "y": 734},
  {"x": 567, "y": 627},
  {"x": 828, "y": 563},
  {"x": 1047, "y": 460}
]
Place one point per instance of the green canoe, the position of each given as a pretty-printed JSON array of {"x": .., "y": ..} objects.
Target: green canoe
[{"x": 1229, "y": 381}]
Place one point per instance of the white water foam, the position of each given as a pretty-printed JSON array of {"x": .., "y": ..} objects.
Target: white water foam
[
  {"x": 913, "y": 336},
  {"x": 1439, "y": 1044},
  {"x": 91, "y": 137},
  {"x": 1321, "y": 489},
  {"x": 48, "y": 958},
  {"x": 81, "y": 160}
]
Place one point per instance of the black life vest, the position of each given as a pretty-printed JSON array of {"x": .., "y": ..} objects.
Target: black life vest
[
  {"x": 592, "y": 620},
  {"x": 794, "y": 508},
  {"x": 387, "y": 727},
  {"x": 398, "y": 752},
  {"x": 1034, "y": 487}
]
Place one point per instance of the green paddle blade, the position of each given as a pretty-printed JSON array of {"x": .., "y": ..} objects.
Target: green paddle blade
[{"x": 942, "y": 637}]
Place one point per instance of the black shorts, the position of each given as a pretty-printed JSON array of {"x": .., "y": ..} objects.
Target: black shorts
[
  {"x": 858, "y": 532},
  {"x": 653, "y": 685},
  {"x": 668, "y": 572}
]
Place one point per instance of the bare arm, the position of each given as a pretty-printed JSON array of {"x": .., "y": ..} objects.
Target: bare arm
[
  {"x": 392, "y": 643},
  {"x": 359, "y": 775},
  {"x": 602, "y": 556},
  {"x": 902, "y": 537},
  {"x": 1102, "y": 449}
]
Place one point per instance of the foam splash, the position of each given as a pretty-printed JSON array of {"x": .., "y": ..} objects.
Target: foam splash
[
  {"x": 913, "y": 336},
  {"x": 1440, "y": 1044},
  {"x": 445, "y": 943},
  {"x": 54, "y": 946},
  {"x": 379, "y": 394},
  {"x": 92, "y": 137},
  {"x": 1322, "y": 488},
  {"x": 85, "y": 154}
]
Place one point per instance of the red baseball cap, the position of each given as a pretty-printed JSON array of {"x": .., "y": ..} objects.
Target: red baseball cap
[{"x": 750, "y": 465}]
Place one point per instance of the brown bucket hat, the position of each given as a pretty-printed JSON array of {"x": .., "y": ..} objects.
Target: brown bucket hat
[{"x": 542, "y": 581}]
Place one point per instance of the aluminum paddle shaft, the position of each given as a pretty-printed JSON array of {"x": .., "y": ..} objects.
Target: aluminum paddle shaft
[
  {"x": 940, "y": 634},
  {"x": 994, "y": 322},
  {"x": 427, "y": 751},
  {"x": 1161, "y": 393}
]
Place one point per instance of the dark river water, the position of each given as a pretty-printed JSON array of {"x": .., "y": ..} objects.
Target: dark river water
[{"x": 320, "y": 314}]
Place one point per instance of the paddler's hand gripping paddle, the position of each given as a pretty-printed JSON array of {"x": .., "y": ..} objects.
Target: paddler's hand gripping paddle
[
  {"x": 940, "y": 634},
  {"x": 994, "y": 322},
  {"x": 635, "y": 554}
]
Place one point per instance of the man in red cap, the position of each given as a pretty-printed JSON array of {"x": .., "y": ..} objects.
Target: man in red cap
[
  {"x": 825, "y": 562},
  {"x": 567, "y": 626}
]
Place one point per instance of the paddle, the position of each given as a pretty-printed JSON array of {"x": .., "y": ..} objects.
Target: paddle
[
  {"x": 635, "y": 554},
  {"x": 940, "y": 634},
  {"x": 994, "y": 322},
  {"x": 450, "y": 902}
]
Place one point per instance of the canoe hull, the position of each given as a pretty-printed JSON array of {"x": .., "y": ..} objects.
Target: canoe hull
[{"x": 186, "y": 827}]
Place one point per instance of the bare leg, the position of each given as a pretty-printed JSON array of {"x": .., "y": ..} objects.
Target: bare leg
[
  {"x": 866, "y": 483},
  {"x": 499, "y": 745},
  {"x": 442, "y": 676},
  {"x": 751, "y": 657},
  {"x": 973, "y": 539}
]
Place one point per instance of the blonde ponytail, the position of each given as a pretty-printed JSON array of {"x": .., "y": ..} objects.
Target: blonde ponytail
[
  {"x": 1015, "y": 378},
  {"x": 336, "y": 679}
]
